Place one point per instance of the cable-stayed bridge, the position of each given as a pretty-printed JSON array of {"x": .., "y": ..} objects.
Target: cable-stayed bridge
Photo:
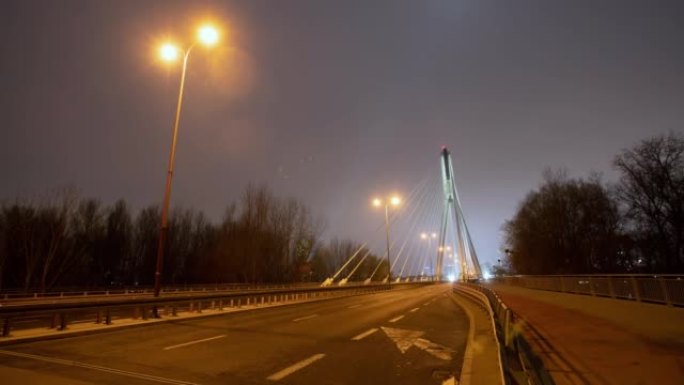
[
  {"x": 392, "y": 322},
  {"x": 425, "y": 236}
]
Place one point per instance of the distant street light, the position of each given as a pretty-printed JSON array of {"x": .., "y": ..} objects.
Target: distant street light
[
  {"x": 206, "y": 35},
  {"x": 428, "y": 237},
  {"x": 393, "y": 201}
]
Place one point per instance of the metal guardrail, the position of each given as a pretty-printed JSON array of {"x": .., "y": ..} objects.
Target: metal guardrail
[
  {"x": 667, "y": 289},
  {"x": 58, "y": 314},
  {"x": 520, "y": 364},
  {"x": 134, "y": 290}
]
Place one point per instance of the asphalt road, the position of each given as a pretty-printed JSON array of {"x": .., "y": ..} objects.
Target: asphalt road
[{"x": 411, "y": 336}]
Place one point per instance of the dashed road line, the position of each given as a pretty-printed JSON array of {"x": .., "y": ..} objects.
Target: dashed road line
[
  {"x": 354, "y": 306},
  {"x": 193, "y": 342},
  {"x": 395, "y": 319},
  {"x": 414, "y": 310},
  {"x": 305, "y": 318},
  {"x": 60, "y": 361},
  {"x": 364, "y": 334},
  {"x": 277, "y": 376}
]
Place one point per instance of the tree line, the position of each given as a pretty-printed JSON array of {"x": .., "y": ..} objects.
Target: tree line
[
  {"x": 67, "y": 241},
  {"x": 576, "y": 225}
]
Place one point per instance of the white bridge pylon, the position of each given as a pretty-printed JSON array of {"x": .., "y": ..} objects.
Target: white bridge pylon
[{"x": 467, "y": 257}]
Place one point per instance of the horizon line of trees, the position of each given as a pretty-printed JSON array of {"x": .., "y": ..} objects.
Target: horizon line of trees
[
  {"x": 584, "y": 226},
  {"x": 68, "y": 241}
]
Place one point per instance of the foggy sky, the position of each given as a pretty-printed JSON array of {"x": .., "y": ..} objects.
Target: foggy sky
[{"x": 333, "y": 102}]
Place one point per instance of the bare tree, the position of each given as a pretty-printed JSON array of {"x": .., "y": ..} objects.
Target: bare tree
[
  {"x": 652, "y": 191},
  {"x": 567, "y": 226}
]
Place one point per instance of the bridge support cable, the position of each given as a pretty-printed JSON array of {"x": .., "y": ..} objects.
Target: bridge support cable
[
  {"x": 413, "y": 204},
  {"x": 452, "y": 208},
  {"x": 423, "y": 212},
  {"x": 345, "y": 280},
  {"x": 428, "y": 221},
  {"x": 329, "y": 281},
  {"x": 412, "y": 233},
  {"x": 403, "y": 266}
]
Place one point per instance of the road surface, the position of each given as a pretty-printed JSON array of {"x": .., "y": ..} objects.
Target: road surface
[{"x": 412, "y": 336}]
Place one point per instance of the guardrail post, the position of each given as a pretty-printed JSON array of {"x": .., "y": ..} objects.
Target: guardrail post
[
  {"x": 108, "y": 317},
  {"x": 220, "y": 305},
  {"x": 507, "y": 328},
  {"x": 174, "y": 312},
  {"x": 611, "y": 289},
  {"x": 98, "y": 320},
  {"x": 666, "y": 294},
  {"x": 635, "y": 289},
  {"x": 55, "y": 321},
  {"x": 199, "y": 306},
  {"x": 6, "y": 327},
  {"x": 62, "y": 321}
]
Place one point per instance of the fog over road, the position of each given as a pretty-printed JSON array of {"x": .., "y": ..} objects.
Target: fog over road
[{"x": 400, "y": 337}]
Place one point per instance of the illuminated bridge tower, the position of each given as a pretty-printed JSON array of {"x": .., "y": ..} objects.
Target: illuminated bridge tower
[{"x": 467, "y": 258}]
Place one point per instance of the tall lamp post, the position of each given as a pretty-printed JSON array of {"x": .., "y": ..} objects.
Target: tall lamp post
[
  {"x": 391, "y": 201},
  {"x": 206, "y": 35},
  {"x": 429, "y": 237}
]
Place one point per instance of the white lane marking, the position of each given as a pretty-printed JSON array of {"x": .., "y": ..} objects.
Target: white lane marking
[
  {"x": 414, "y": 310},
  {"x": 365, "y": 334},
  {"x": 193, "y": 342},
  {"x": 354, "y": 306},
  {"x": 395, "y": 319},
  {"x": 291, "y": 369},
  {"x": 404, "y": 339},
  {"x": 437, "y": 350},
  {"x": 305, "y": 318},
  {"x": 426, "y": 303},
  {"x": 98, "y": 368}
]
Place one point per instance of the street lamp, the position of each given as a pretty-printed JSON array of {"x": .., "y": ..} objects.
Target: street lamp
[
  {"x": 429, "y": 237},
  {"x": 207, "y": 35},
  {"x": 391, "y": 201}
]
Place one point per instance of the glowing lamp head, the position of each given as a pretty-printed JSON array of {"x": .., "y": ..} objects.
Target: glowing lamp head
[
  {"x": 423, "y": 236},
  {"x": 395, "y": 201},
  {"x": 377, "y": 202},
  {"x": 168, "y": 52},
  {"x": 208, "y": 35},
  {"x": 433, "y": 235}
]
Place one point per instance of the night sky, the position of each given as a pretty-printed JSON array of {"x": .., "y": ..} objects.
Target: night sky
[{"x": 333, "y": 102}]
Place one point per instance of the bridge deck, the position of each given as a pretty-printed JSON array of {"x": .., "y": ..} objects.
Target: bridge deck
[{"x": 590, "y": 340}]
